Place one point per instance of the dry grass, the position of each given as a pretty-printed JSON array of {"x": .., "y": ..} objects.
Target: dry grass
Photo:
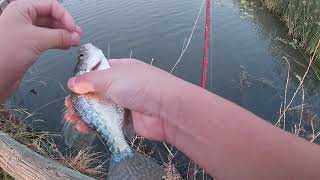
[
  {"x": 286, "y": 107},
  {"x": 171, "y": 172},
  {"x": 86, "y": 161},
  {"x": 5, "y": 176},
  {"x": 296, "y": 114},
  {"x": 176, "y": 167},
  {"x": 13, "y": 123}
]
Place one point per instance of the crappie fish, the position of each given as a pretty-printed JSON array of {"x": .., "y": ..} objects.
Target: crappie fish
[{"x": 107, "y": 119}]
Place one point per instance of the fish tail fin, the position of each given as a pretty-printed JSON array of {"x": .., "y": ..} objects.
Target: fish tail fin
[{"x": 136, "y": 167}]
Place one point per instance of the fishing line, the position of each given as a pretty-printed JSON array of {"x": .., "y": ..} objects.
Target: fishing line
[
  {"x": 48, "y": 104},
  {"x": 108, "y": 51},
  {"x": 190, "y": 37}
]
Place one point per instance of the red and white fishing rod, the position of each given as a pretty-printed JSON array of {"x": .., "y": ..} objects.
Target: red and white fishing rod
[{"x": 206, "y": 47}]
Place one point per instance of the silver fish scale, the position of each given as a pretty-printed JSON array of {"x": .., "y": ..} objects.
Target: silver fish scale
[{"x": 107, "y": 119}]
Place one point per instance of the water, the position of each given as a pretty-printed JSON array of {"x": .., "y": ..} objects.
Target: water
[{"x": 246, "y": 58}]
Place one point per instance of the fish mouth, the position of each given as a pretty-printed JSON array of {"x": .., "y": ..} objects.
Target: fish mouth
[{"x": 90, "y": 59}]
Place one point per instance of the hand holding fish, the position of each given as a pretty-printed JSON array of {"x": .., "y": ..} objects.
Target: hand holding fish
[
  {"x": 142, "y": 88},
  {"x": 224, "y": 139},
  {"x": 28, "y": 28}
]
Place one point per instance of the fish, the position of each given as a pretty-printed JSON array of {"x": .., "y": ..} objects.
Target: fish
[{"x": 107, "y": 118}]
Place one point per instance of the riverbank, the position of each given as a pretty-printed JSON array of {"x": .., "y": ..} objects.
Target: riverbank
[
  {"x": 13, "y": 122},
  {"x": 303, "y": 21}
]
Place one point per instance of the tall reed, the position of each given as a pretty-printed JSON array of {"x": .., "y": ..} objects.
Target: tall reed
[{"x": 302, "y": 18}]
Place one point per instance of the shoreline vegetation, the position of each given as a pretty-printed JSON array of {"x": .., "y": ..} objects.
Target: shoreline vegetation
[
  {"x": 302, "y": 17},
  {"x": 297, "y": 111},
  {"x": 15, "y": 133}
]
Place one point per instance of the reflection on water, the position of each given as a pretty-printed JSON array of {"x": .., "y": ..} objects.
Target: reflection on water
[{"x": 246, "y": 59}]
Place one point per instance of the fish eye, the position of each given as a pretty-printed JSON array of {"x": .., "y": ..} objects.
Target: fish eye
[{"x": 81, "y": 56}]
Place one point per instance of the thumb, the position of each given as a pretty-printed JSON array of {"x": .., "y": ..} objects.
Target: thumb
[
  {"x": 95, "y": 81},
  {"x": 56, "y": 38}
]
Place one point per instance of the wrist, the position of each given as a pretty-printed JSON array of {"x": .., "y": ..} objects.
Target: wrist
[
  {"x": 174, "y": 107},
  {"x": 188, "y": 105}
]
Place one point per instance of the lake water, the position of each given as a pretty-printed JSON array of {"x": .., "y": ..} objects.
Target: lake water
[{"x": 246, "y": 63}]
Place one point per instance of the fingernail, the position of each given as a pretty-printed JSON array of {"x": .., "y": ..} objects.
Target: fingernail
[
  {"x": 71, "y": 83},
  {"x": 75, "y": 39}
]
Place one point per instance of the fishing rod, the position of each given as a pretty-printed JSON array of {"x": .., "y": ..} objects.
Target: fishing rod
[
  {"x": 206, "y": 47},
  {"x": 192, "y": 165}
]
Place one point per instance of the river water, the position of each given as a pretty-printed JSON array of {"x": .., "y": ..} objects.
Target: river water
[{"x": 247, "y": 64}]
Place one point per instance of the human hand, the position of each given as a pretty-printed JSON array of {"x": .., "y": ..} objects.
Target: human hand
[
  {"x": 27, "y": 29},
  {"x": 148, "y": 92}
]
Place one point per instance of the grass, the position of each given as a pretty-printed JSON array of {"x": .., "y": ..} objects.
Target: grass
[
  {"x": 5, "y": 176},
  {"x": 296, "y": 113},
  {"x": 12, "y": 122},
  {"x": 302, "y": 18},
  {"x": 176, "y": 164},
  {"x": 86, "y": 161},
  {"x": 303, "y": 21},
  {"x": 308, "y": 124}
]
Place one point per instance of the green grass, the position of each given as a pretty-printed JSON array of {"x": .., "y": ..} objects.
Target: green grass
[{"x": 302, "y": 18}]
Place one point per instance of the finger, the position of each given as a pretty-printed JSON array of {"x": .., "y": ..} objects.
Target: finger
[
  {"x": 56, "y": 38},
  {"x": 70, "y": 116},
  {"x": 95, "y": 81},
  {"x": 82, "y": 127},
  {"x": 125, "y": 61},
  {"x": 67, "y": 102},
  {"x": 99, "y": 81},
  {"x": 49, "y": 22},
  {"x": 43, "y": 21},
  {"x": 54, "y": 9},
  {"x": 128, "y": 119}
]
